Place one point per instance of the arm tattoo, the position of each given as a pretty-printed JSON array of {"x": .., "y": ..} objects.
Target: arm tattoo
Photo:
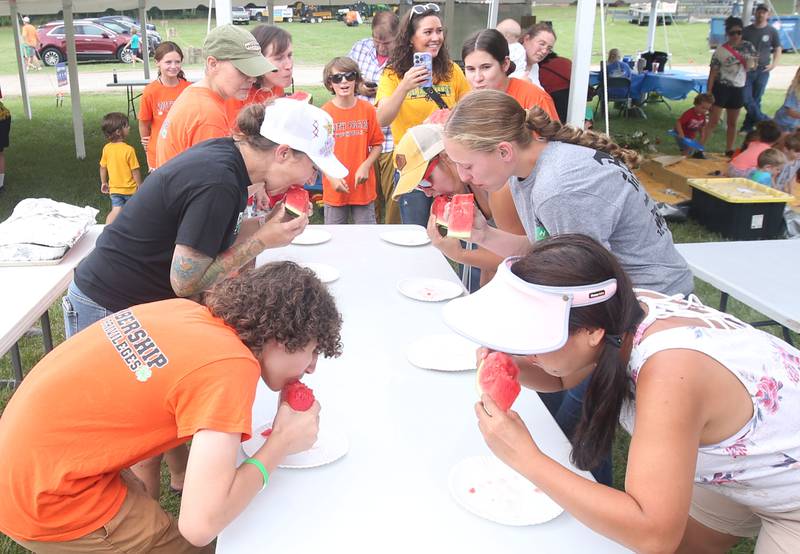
[{"x": 191, "y": 275}]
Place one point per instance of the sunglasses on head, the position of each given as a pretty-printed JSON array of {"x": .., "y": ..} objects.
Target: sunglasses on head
[
  {"x": 339, "y": 77},
  {"x": 739, "y": 32},
  {"x": 425, "y": 182},
  {"x": 420, "y": 9}
]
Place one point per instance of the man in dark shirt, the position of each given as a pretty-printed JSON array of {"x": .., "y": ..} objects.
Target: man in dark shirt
[{"x": 764, "y": 37}]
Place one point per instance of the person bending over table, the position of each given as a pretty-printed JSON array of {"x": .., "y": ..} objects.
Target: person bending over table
[
  {"x": 144, "y": 380},
  {"x": 563, "y": 180},
  {"x": 183, "y": 232},
  {"x": 713, "y": 405},
  {"x": 401, "y": 99}
]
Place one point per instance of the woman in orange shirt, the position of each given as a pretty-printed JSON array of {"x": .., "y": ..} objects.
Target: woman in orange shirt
[
  {"x": 158, "y": 96},
  {"x": 487, "y": 66}
]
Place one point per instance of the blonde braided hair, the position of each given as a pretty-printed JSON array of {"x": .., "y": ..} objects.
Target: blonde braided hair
[{"x": 485, "y": 118}]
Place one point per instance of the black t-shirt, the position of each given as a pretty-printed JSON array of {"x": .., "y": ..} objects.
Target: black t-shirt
[
  {"x": 764, "y": 39},
  {"x": 196, "y": 199}
]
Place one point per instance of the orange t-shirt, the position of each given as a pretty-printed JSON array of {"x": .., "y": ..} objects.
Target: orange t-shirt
[
  {"x": 256, "y": 96},
  {"x": 129, "y": 387},
  {"x": 355, "y": 130},
  {"x": 197, "y": 115},
  {"x": 157, "y": 99},
  {"x": 29, "y": 35},
  {"x": 529, "y": 95}
]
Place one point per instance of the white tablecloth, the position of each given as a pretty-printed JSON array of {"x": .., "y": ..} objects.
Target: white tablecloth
[{"x": 407, "y": 428}]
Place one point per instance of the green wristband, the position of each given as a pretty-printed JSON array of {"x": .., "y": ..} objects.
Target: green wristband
[{"x": 261, "y": 468}]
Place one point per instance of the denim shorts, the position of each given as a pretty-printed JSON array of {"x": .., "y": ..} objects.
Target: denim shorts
[
  {"x": 118, "y": 200},
  {"x": 80, "y": 311}
]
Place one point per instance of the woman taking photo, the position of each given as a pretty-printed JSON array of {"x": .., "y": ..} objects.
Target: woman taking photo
[
  {"x": 159, "y": 96},
  {"x": 276, "y": 46},
  {"x": 713, "y": 405},
  {"x": 185, "y": 232},
  {"x": 726, "y": 80},
  {"x": 570, "y": 181},
  {"x": 404, "y": 100},
  {"x": 487, "y": 66}
]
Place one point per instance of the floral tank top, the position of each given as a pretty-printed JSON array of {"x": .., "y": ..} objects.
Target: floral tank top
[{"x": 759, "y": 466}]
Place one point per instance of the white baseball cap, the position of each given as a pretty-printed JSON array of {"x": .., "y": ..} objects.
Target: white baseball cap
[
  {"x": 511, "y": 315},
  {"x": 26, "y": 19},
  {"x": 305, "y": 128}
]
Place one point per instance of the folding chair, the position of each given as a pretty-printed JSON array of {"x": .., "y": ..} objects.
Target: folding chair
[{"x": 619, "y": 92}]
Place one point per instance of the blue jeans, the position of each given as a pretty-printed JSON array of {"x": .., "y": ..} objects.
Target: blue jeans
[
  {"x": 753, "y": 92},
  {"x": 566, "y": 407},
  {"x": 415, "y": 208},
  {"x": 80, "y": 311}
]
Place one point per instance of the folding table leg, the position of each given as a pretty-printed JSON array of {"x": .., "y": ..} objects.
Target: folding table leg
[
  {"x": 723, "y": 302},
  {"x": 787, "y": 336},
  {"x": 47, "y": 332},
  {"x": 16, "y": 363}
]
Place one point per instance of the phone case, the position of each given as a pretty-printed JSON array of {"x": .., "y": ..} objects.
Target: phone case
[{"x": 425, "y": 59}]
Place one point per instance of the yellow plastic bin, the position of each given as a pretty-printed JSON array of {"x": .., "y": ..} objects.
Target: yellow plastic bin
[{"x": 738, "y": 208}]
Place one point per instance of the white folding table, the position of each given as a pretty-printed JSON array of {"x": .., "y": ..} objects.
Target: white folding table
[
  {"x": 407, "y": 428},
  {"x": 28, "y": 291},
  {"x": 760, "y": 273}
]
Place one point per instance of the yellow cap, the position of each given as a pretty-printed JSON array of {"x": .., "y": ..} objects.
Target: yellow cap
[{"x": 412, "y": 154}]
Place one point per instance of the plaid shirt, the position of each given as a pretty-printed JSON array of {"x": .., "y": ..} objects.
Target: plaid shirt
[{"x": 364, "y": 54}]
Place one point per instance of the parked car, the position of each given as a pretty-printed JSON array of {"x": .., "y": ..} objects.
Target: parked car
[
  {"x": 240, "y": 16},
  {"x": 92, "y": 42},
  {"x": 130, "y": 22},
  {"x": 126, "y": 28}
]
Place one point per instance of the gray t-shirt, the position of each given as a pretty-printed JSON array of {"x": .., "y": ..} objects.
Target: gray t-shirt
[
  {"x": 764, "y": 39},
  {"x": 574, "y": 189}
]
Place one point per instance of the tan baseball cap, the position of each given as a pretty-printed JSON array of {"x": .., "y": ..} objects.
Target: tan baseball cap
[
  {"x": 413, "y": 153},
  {"x": 235, "y": 45}
]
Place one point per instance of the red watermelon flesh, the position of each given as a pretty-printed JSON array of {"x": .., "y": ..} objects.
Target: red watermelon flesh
[
  {"x": 498, "y": 376},
  {"x": 439, "y": 209},
  {"x": 459, "y": 220},
  {"x": 299, "y": 396},
  {"x": 296, "y": 200}
]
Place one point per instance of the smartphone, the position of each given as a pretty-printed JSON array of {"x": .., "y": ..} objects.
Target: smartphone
[{"x": 426, "y": 60}]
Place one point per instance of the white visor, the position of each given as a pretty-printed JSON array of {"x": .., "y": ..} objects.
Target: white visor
[{"x": 511, "y": 315}]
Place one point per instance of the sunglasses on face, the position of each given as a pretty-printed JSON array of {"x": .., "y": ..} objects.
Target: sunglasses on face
[
  {"x": 734, "y": 33},
  {"x": 420, "y": 9},
  {"x": 339, "y": 77},
  {"x": 425, "y": 182}
]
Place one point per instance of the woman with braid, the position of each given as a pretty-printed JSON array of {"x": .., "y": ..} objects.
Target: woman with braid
[
  {"x": 563, "y": 180},
  {"x": 185, "y": 231}
]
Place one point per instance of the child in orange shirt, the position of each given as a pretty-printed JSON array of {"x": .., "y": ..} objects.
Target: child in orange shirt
[
  {"x": 358, "y": 145},
  {"x": 119, "y": 166},
  {"x": 158, "y": 96}
]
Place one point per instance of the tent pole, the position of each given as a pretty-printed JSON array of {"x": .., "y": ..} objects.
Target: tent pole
[
  {"x": 224, "y": 15},
  {"x": 651, "y": 26},
  {"x": 449, "y": 23},
  {"x": 494, "y": 8},
  {"x": 747, "y": 12},
  {"x": 23, "y": 77},
  {"x": 581, "y": 62},
  {"x": 210, "y": 7},
  {"x": 604, "y": 66},
  {"x": 145, "y": 45},
  {"x": 74, "y": 84}
]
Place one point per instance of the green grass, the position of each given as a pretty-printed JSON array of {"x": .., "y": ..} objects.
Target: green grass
[{"x": 41, "y": 163}]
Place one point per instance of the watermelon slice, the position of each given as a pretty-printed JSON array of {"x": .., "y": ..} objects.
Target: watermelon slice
[
  {"x": 299, "y": 396},
  {"x": 439, "y": 209},
  {"x": 459, "y": 218},
  {"x": 296, "y": 201},
  {"x": 498, "y": 376},
  {"x": 301, "y": 95}
]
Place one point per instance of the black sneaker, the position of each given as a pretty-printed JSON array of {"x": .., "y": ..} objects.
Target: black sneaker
[
  {"x": 729, "y": 153},
  {"x": 699, "y": 155}
]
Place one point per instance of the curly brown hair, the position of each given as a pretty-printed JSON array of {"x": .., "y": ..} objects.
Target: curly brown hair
[
  {"x": 280, "y": 301},
  {"x": 401, "y": 58}
]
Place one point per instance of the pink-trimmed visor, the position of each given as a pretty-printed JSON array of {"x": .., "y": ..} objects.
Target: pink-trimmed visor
[{"x": 511, "y": 315}]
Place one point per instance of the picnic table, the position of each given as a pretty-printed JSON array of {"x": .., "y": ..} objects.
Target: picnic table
[
  {"x": 674, "y": 85},
  {"x": 406, "y": 426},
  {"x": 27, "y": 293},
  {"x": 760, "y": 273},
  {"x": 130, "y": 93}
]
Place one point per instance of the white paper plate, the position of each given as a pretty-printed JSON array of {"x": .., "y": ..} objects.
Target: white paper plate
[
  {"x": 331, "y": 445},
  {"x": 412, "y": 237},
  {"x": 310, "y": 235},
  {"x": 445, "y": 352},
  {"x": 430, "y": 290},
  {"x": 326, "y": 273},
  {"x": 490, "y": 489}
]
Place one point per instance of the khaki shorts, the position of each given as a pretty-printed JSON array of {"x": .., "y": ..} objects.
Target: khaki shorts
[
  {"x": 778, "y": 532},
  {"x": 141, "y": 525}
]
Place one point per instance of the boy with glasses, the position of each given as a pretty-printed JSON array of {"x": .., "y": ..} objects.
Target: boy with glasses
[{"x": 358, "y": 143}]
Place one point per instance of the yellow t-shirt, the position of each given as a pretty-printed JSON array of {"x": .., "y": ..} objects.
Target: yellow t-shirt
[
  {"x": 120, "y": 160},
  {"x": 417, "y": 107}
]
